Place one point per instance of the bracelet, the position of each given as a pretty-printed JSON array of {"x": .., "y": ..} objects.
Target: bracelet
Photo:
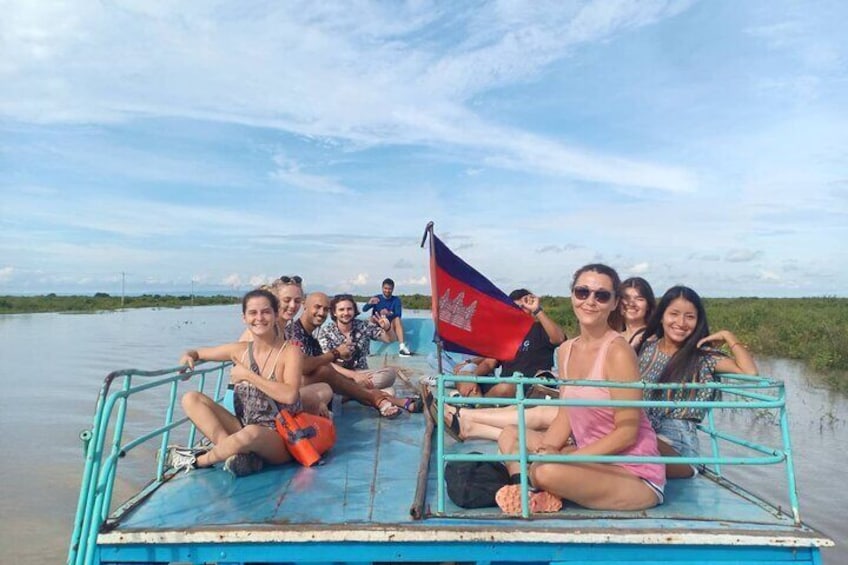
[
  {"x": 735, "y": 344},
  {"x": 335, "y": 353},
  {"x": 537, "y": 311}
]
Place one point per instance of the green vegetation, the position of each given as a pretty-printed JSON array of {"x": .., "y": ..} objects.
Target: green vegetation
[
  {"x": 103, "y": 301},
  {"x": 813, "y": 330}
]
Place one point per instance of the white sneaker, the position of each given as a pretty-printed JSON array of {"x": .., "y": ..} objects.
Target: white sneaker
[
  {"x": 403, "y": 350},
  {"x": 181, "y": 458}
]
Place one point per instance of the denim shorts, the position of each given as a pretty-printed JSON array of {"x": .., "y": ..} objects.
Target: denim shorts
[{"x": 682, "y": 435}]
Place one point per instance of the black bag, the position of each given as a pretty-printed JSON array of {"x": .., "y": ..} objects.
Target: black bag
[{"x": 473, "y": 484}]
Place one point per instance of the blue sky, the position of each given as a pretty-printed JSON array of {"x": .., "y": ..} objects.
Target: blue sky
[{"x": 221, "y": 144}]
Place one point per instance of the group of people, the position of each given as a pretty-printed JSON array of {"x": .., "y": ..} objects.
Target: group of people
[
  {"x": 297, "y": 363},
  {"x": 624, "y": 336}
]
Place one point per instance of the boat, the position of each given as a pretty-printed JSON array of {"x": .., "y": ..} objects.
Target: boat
[{"x": 379, "y": 496}]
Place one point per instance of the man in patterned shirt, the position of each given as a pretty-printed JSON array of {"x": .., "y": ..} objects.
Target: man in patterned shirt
[{"x": 318, "y": 365}]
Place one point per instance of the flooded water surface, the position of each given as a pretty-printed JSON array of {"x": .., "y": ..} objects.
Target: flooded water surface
[{"x": 54, "y": 365}]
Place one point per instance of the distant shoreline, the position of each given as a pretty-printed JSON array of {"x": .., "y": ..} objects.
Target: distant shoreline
[{"x": 812, "y": 330}]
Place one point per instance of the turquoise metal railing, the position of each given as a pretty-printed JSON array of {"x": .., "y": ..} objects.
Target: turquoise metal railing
[
  {"x": 745, "y": 392},
  {"x": 98, "y": 478}
]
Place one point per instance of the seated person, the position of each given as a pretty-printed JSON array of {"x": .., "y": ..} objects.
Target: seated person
[
  {"x": 266, "y": 375},
  {"x": 535, "y": 353},
  {"x": 600, "y": 354},
  {"x": 318, "y": 365},
  {"x": 347, "y": 331},
  {"x": 388, "y": 305}
]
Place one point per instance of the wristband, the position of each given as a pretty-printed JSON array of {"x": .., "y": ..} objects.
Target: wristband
[{"x": 537, "y": 311}]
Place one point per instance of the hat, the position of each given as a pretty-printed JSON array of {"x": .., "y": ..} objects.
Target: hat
[{"x": 519, "y": 293}]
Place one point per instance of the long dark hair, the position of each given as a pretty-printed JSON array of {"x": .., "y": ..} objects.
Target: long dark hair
[
  {"x": 261, "y": 293},
  {"x": 645, "y": 291},
  {"x": 683, "y": 365}
]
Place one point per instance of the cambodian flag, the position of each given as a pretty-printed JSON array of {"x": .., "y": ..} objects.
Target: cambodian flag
[{"x": 471, "y": 314}]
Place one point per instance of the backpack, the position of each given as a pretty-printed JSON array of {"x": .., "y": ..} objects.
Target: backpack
[{"x": 473, "y": 484}]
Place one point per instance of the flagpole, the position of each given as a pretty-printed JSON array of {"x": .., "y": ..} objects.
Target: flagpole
[{"x": 434, "y": 299}]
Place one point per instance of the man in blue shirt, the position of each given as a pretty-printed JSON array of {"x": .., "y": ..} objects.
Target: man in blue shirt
[{"x": 388, "y": 305}]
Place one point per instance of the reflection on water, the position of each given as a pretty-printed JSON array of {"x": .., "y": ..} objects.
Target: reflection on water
[{"x": 55, "y": 364}]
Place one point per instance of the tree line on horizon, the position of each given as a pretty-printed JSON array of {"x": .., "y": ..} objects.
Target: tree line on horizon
[{"x": 813, "y": 330}]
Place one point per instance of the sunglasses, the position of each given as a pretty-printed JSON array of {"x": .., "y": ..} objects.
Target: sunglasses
[
  {"x": 584, "y": 292},
  {"x": 285, "y": 279}
]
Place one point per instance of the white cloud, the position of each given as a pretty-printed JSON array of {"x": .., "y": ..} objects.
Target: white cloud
[
  {"x": 233, "y": 281},
  {"x": 6, "y": 274},
  {"x": 288, "y": 172},
  {"x": 742, "y": 255},
  {"x": 638, "y": 269}
]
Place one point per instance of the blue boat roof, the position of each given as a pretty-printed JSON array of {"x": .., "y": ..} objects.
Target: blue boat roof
[{"x": 367, "y": 488}]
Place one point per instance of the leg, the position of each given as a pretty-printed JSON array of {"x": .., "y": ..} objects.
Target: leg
[
  {"x": 674, "y": 470},
  {"x": 252, "y": 438},
  {"x": 397, "y": 326},
  {"x": 488, "y": 423},
  {"x": 501, "y": 390},
  {"x": 316, "y": 397},
  {"x": 212, "y": 419},
  {"x": 508, "y": 443},
  {"x": 594, "y": 485}
]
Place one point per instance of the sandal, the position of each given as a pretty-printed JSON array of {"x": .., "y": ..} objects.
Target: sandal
[
  {"x": 430, "y": 402},
  {"x": 413, "y": 404},
  {"x": 508, "y": 499}
]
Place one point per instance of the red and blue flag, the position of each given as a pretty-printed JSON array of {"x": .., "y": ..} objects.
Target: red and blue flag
[{"x": 471, "y": 314}]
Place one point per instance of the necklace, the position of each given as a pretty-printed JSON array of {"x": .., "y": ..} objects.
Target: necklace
[{"x": 267, "y": 357}]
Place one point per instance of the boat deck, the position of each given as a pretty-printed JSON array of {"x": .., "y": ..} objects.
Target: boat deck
[
  {"x": 364, "y": 505},
  {"x": 365, "y": 491}
]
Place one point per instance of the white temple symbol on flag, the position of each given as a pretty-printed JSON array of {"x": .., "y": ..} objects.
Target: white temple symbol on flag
[{"x": 454, "y": 312}]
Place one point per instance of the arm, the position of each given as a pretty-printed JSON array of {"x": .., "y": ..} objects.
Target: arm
[
  {"x": 372, "y": 302},
  {"x": 285, "y": 389},
  {"x": 620, "y": 366},
  {"x": 486, "y": 366},
  {"x": 310, "y": 364},
  {"x": 380, "y": 328},
  {"x": 740, "y": 360},
  {"x": 532, "y": 306},
  {"x": 227, "y": 352}
]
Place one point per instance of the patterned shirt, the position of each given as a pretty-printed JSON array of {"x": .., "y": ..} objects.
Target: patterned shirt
[
  {"x": 297, "y": 334},
  {"x": 652, "y": 361},
  {"x": 361, "y": 334}
]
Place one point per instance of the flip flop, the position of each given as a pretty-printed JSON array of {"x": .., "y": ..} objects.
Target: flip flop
[{"x": 413, "y": 404}]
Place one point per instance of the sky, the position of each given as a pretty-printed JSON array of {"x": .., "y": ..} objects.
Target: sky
[{"x": 153, "y": 146}]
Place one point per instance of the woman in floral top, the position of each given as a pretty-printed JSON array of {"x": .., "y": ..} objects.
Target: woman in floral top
[{"x": 673, "y": 352}]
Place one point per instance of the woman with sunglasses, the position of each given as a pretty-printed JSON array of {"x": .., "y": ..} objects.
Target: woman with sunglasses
[
  {"x": 636, "y": 306},
  {"x": 599, "y": 353},
  {"x": 266, "y": 378},
  {"x": 673, "y": 352}
]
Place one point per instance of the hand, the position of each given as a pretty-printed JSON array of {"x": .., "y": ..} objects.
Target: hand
[
  {"x": 374, "y": 300},
  {"x": 240, "y": 373},
  {"x": 382, "y": 321},
  {"x": 720, "y": 336},
  {"x": 345, "y": 351},
  {"x": 189, "y": 358},
  {"x": 530, "y": 303}
]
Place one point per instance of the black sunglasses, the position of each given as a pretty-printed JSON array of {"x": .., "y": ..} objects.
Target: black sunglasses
[
  {"x": 285, "y": 279},
  {"x": 584, "y": 292}
]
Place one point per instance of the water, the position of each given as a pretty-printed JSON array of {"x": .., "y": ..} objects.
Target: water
[{"x": 55, "y": 364}]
